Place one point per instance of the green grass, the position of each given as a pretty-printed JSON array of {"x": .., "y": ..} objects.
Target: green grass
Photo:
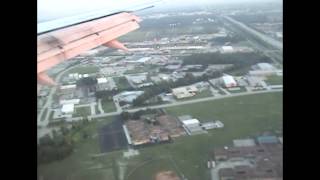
[
  {"x": 84, "y": 69},
  {"x": 122, "y": 83},
  {"x": 243, "y": 116},
  {"x": 242, "y": 89},
  {"x": 108, "y": 105},
  {"x": 203, "y": 94},
  {"x": 82, "y": 111},
  {"x": 274, "y": 80},
  {"x": 77, "y": 165}
]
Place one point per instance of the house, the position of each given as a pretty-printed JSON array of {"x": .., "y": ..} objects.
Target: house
[
  {"x": 228, "y": 81},
  {"x": 67, "y": 108}
]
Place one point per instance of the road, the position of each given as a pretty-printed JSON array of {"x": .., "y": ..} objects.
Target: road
[
  {"x": 275, "y": 43},
  {"x": 179, "y": 103},
  {"x": 249, "y": 33},
  {"x": 43, "y": 123}
]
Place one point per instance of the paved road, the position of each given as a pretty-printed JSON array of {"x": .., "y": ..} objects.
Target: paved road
[
  {"x": 274, "y": 54},
  {"x": 100, "y": 106},
  {"x": 265, "y": 38},
  {"x": 188, "y": 102},
  {"x": 43, "y": 124}
]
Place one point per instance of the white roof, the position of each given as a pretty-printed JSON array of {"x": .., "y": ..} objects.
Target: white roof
[
  {"x": 102, "y": 80},
  {"x": 227, "y": 79},
  {"x": 227, "y": 48},
  {"x": 191, "y": 121},
  {"x": 67, "y": 108},
  {"x": 265, "y": 66},
  {"x": 68, "y": 86},
  {"x": 70, "y": 101}
]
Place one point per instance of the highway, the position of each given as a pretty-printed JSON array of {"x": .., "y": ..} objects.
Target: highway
[{"x": 256, "y": 39}]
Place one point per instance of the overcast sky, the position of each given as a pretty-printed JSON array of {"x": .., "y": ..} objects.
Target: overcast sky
[{"x": 51, "y": 9}]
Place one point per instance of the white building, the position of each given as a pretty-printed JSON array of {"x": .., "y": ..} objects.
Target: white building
[
  {"x": 227, "y": 49},
  {"x": 192, "y": 126},
  {"x": 128, "y": 96},
  {"x": 137, "y": 79},
  {"x": 183, "y": 92},
  {"x": 228, "y": 81},
  {"x": 102, "y": 80},
  {"x": 264, "y": 67},
  {"x": 71, "y": 101},
  {"x": 67, "y": 108}
]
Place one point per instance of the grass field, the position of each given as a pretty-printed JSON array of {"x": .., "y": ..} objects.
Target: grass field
[
  {"x": 108, "y": 105},
  {"x": 242, "y": 89},
  {"x": 82, "y": 111},
  {"x": 122, "y": 83},
  {"x": 243, "y": 116},
  {"x": 274, "y": 80},
  {"x": 80, "y": 165}
]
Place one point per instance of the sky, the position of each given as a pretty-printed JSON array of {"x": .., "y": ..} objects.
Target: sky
[{"x": 52, "y": 9}]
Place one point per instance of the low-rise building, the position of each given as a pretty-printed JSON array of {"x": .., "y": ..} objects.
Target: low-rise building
[
  {"x": 228, "y": 81},
  {"x": 67, "y": 108},
  {"x": 184, "y": 92},
  {"x": 227, "y": 49}
]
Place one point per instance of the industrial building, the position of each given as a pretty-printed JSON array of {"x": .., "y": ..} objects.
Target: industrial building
[
  {"x": 128, "y": 96},
  {"x": 267, "y": 139},
  {"x": 67, "y": 108},
  {"x": 243, "y": 142},
  {"x": 139, "y": 132},
  {"x": 228, "y": 81},
  {"x": 184, "y": 92},
  {"x": 192, "y": 126},
  {"x": 263, "y": 67},
  {"x": 258, "y": 162},
  {"x": 137, "y": 79}
]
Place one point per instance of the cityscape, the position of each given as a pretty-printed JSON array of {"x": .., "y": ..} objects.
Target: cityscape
[{"x": 198, "y": 94}]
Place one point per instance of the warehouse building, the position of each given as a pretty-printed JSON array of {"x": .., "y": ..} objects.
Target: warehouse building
[{"x": 228, "y": 81}]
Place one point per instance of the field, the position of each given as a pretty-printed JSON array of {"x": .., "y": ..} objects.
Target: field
[
  {"x": 243, "y": 116},
  {"x": 108, "y": 105},
  {"x": 80, "y": 165},
  {"x": 122, "y": 83},
  {"x": 242, "y": 89},
  {"x": 82, "y": 111},
  {"x": 274, "y": 80}
]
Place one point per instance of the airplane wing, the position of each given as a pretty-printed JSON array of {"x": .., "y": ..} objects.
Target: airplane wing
[{"x": 61, "y": 40}]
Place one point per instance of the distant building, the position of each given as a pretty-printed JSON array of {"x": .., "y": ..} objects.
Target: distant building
[
  {"x": 71, "y": 101},
  {"x": 67, "y": 108},
  {"x": 192, "y": 126},
  {"x": 137, "y": 79},
  {"x": 128, "y": 96},
  {"x": 184, "y": 92},
  {"x": 227, "y": 49},
  {"x": 267, "y": 139},
  {"x": 243, "y": 142},
  {"x": 264, "y": 67},
  {"x": 228, "y": 81}
]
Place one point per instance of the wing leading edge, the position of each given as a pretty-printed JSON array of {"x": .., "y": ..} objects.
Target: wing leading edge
[{"x": 59, "y": 45}]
